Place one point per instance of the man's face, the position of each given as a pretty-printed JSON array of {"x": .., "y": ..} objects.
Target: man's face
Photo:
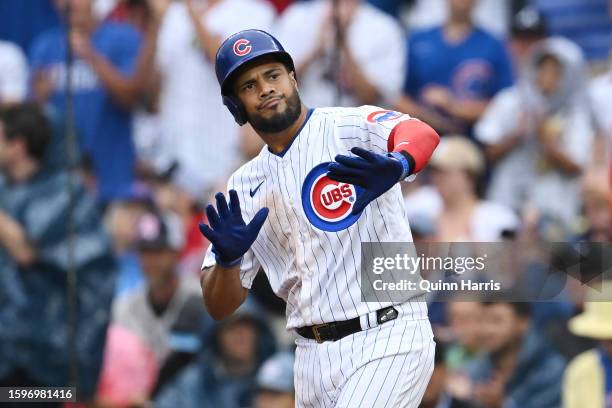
[
  {"x": 269, "y": 95},
  {"x": 501, "y": 327},
  {"x": 548, "y": 75},
  {"x": 158, "y": 265},
  {"x": 461, "y": 7},
  {"x": 238, "y": 341},
  {"x": 464, "y": 319},
  {"x": 271, "y": 399},
  {"x": 521, "y": 47},
  {"x": 80, "y": 11},
  {"x": 451, "y": 182}
]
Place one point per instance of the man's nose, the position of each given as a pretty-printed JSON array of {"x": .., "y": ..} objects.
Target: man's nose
[{"x": 266, "y": 90}]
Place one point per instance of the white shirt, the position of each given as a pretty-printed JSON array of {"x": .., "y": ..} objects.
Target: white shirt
[
  {"x": 311, "y": 261},
  {"x": 487, "y": 222},
  {"x": 518, "y": 178},
  {"x": 375, "y": 39},
  {"x": 600, "y": 92},
  {"x": 192, "y": 115},
  {"x": 13, "y": 73}
]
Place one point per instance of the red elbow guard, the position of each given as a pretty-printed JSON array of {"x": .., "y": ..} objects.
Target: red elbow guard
[{"x": 415, "y": 138}]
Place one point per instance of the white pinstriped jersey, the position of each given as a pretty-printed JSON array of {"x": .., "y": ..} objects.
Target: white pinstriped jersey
[{"x": 310, "y": 249}]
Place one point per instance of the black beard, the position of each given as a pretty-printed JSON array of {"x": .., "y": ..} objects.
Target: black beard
[{"x": 279, "y": 121}]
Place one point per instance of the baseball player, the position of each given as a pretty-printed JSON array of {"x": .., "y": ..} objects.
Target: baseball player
[{"x": 326, "y": 181}]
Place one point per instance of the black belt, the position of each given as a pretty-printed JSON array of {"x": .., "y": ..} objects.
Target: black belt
[{"x": 336, "y": 330}]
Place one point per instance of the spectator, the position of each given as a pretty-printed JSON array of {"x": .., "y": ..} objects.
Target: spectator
[
  {"x": 600, "y": 93},
  {"x": 105, "y": 58},
  {"x": 588, "y": 378},
  {"x": 365, "y": 67},
  {"x": 596, "y": 196},
  {"x": 464, "y": 318},
  {"x": 192, "y": 117},
  {"x": 129, "y": 372},
  {"x": 274, "y": 382},
  {"x": 122, "y": 220},
  {"x": 456, "y": 168},
  {"x": 13, "y": 74},
  {"x": 453, "y": 71},
  {"x": 492, "y": 15},
  {"x": 528, "y": 28},
  {"x": 520, "y": 369},
  {"x": 34, "y": 346},
  {"x": 167, "y": 312},
  {"x": 539, "y": 135},
  {"x": 224, "y": 375}
]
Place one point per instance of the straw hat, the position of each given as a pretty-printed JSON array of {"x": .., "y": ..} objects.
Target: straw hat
[
  {"x": 596, "y": 320},
  {"x": 457, "y": 152}
]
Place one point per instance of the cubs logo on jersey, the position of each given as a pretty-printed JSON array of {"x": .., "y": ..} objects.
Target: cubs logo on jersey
[
  {"x": 328, "y": 203},
  {"x": 383, "y": 116}
]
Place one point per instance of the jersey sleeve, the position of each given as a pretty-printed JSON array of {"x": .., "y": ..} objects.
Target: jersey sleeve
[
  {"x": 248, "y": 267},
  {"x": 372, "y": 127}
]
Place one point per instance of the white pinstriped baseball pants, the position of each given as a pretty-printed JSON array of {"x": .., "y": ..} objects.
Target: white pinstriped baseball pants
[{"x": 385, "y": 366}]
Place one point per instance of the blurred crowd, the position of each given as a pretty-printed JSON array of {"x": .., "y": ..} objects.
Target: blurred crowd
[{"x": 113, "y": 137}]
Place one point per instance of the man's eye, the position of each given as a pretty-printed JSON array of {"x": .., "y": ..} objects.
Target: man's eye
[
  {"x": 274, "y": 76},
  {"x": 249, "y": 87}
]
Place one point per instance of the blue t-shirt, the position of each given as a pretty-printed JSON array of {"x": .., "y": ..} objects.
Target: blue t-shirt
[
  {"x": 606, "y": 362},
  {"x": 476, "y": 68},
  {"x": 104, "y": 128}
]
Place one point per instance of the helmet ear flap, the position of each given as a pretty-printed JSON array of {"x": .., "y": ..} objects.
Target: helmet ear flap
[{"x": 236, "y": 109}]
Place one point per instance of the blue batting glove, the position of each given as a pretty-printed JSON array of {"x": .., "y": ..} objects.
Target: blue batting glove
[
  {"x": 230, "y": 236},
  {"x": 376, "y": 173}
]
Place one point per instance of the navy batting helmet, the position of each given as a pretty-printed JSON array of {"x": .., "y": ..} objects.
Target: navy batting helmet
[{"x": 239, "y": 49}]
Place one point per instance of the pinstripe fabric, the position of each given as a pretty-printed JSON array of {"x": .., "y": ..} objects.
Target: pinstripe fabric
[
  {"x": 316, "y": 272},
  {"x": 385, "y": 366}
]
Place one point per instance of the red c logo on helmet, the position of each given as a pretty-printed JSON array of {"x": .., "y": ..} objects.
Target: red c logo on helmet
[{"x": 242, "y": 47}]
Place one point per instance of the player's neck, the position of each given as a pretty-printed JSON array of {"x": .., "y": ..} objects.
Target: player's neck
[{"x": 278, "y": 142}]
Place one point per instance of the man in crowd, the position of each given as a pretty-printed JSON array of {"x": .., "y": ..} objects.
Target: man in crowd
[
  {"x": 363, "y": 60},
  {"x": 519, "y": 369},
  {"x": 224, "y": 374},
  {"x": 166, "y": 312},
  {"x": 539, "y": 135},
  {"x": 453, "y": 71},
  {"x": 453, "y": 202},
  {"x": 104, "y": 93},
  {"x": 274, "y": 382},
  {"x": 192, "y": 119},
  {"x": 34, "y": 233},
  {"x": 588, "y": 378}
]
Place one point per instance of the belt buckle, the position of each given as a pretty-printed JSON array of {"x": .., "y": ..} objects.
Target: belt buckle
[{"x": 315, "y": 331}]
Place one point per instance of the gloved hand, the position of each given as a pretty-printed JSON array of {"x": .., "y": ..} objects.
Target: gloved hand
[
  {"x": 376, "y": 173},
  {"x": 228, "y": 233}
]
